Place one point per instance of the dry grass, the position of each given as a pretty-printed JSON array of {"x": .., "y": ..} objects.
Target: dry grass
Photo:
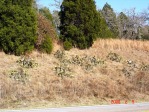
[
  {"x": 121, "y": 44},
  {"x": 101, "y": 84}
]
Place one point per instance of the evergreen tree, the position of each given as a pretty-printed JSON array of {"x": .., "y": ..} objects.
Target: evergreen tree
[
  {"x": 79, "y": 22},
  {"x": 105, "y": 31},
  {"x": 122, "y": 25},
  {"x": 110, "y": 18},
  {"x": 17, "y": 26},
  {"x": 35, "y": 5},
  {"x": 47, "y": 45}
]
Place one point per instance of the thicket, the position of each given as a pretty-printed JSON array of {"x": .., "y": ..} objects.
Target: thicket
[
  {"x": 46, "y": 34},
  {"x": 67, "y": 45},
  {"x": 47, "y": 14},
  {"x": 18, "y": 26},
  {"x": 47, "y": 45}
]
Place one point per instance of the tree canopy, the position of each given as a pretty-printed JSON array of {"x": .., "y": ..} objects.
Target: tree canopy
[
  {"x": 110, "y": 18},
  {"x": 79, "y": 22},
  {"x": 18, "y": 25}
]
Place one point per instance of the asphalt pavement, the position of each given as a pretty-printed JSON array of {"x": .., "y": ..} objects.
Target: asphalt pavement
[{"x": 137, "y": 107}]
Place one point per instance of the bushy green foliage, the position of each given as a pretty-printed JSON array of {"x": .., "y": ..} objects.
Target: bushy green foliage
[
  {"x": 105, "y": 31},
  {"x": 67, "y": 45},
  {"x": 123, "y": 21},
  {"x": 79, "y": 22},
  {"x": 17, "y": 26},
  {"x": 46, "y": 45}
]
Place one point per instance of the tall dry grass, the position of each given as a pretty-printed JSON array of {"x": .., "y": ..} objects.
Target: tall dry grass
[
  {"x": 103, "y": 83},
  {"x": 122, "y": 44}
]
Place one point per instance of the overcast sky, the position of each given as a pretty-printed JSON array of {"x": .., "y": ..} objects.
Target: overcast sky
[{"x": 117, "y": 5}]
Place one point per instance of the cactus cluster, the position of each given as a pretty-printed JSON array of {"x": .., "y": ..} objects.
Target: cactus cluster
[
  {"x": 144, "y": 67},
  {"x": 127, "y": 71},
  {"x": 85, "y": 62},
  {"x": 132, "y": 67},
  {"x": 132, "y": 64},
  {"x": 114, "y": 57},
  {"x": 59, "y": 54},
  {"x": 26, "y": 62},
  {"x": 63, "y": 71},
  {"x": 19, "y": 75}
]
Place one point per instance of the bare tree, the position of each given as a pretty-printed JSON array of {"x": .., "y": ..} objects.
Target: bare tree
[
  {"x": 55, "y": 14},
  {"x": 145, "y": 28},
  {"x": 122, "y": 22},
  {"x": 57, "y": 4},
  {"x": 135, "y": 23},
  {"x": 145, "y": 15},
  {"x": 56, "y": 20}
]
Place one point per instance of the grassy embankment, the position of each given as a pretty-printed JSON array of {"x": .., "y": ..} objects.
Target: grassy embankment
[{"x": 109, "y": 70}]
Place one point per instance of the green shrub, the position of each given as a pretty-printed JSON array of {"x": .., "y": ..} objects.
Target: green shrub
[
  {"x": 79, "y": 22},
  {"x": 18, "y": 25},
  {"x": 46, "y": 45},
  {"x": 67, "y": 45}
]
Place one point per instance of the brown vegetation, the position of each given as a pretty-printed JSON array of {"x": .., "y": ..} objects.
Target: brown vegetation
[
  {"x": 125, "y": 79},
  {"x": 45, "y": 28}
]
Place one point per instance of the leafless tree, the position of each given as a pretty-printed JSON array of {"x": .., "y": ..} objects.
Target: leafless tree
[
  {"x": 56, "y": 19},
  {"x": 57, "y": 4},
  {"x": 55, "y": 14},
  {"x": 135, "y": 23}
]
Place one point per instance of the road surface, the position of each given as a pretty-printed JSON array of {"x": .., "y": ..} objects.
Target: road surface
[{"x": 138, "y": 107}]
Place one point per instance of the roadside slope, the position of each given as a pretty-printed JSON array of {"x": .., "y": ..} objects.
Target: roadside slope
[{"x": 111, "y": 69}]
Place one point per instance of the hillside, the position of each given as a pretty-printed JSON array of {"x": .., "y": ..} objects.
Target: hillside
[{"x": 109, "y": 70}]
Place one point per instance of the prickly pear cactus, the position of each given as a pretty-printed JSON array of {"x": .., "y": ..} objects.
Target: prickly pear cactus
[
  {"x": 27, "y": 62},
  {"x": 19, "y": 75}
]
